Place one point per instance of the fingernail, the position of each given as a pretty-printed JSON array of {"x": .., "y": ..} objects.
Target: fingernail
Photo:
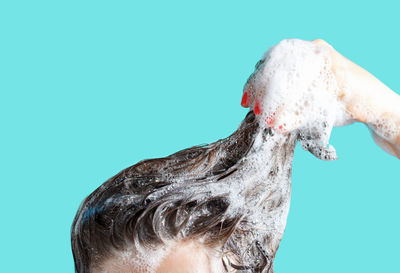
[
  {"x": 257, "y": 110},
  {"x": 244, "y": 100}
]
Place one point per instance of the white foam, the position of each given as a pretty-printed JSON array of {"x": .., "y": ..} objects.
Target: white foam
[
  {"x": 295, "y": 82},
  {"x": 136, "y": 260},
  {"x": 294, "y": 88}
]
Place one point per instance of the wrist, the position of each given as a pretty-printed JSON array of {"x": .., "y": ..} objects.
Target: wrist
[{"x": 365, "y": 97}]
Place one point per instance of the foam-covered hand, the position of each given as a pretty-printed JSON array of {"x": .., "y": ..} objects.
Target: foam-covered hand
[
  {"x": 293, "y": 88},
  {"x": 367, "y": 100},
  {"x": 308, "y": 87}
]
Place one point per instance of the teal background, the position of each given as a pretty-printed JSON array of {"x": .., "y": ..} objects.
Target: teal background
[{"x": 91, "y": 87}]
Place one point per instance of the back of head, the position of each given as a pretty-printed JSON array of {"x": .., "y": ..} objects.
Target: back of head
[{"x": 161, "y": 200}]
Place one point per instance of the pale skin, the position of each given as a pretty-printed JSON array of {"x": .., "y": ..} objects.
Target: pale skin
[
  {"x": 366, "y": 99},
  {"x": 183, "y": 257}
]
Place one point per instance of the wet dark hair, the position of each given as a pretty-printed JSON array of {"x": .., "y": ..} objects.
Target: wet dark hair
[{"x": 123, "y": 212}]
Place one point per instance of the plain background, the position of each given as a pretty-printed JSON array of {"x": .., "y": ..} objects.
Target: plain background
[{"x": 91, "y": 87}]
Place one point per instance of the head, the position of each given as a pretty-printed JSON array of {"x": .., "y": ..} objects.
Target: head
[{"x": 172, "y": 214}]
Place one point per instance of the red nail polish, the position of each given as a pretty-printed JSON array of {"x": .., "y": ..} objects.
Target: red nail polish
[
  {"x": 244, "y": 100},
  {"x": 256, "y": 109}
]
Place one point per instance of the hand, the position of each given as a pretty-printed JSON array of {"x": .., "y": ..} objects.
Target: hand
[
  {"x": 367, "y": 100},
  {"x": 309, "y": 87}
]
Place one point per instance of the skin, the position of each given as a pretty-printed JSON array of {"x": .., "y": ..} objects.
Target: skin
[
  {"x": 188, "y": 257},
  {"x": 366, "y": 99},
  {"x": 183, "y": 257}
]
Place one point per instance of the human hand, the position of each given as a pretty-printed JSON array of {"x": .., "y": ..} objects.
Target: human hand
[
  {"x": 367, "y": 100},
  {"x": 310, "y": 87}
]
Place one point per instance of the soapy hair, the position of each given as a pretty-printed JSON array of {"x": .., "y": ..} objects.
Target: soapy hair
[
  {"x": 148, "y": 204},
  {"x": 232, "y": 195}
]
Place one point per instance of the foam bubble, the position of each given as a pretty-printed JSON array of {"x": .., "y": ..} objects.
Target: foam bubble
[
  {"x": 138, "y": 260},
  {"x": 294, "y": 89}
]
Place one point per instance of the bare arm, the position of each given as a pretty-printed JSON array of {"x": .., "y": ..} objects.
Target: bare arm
[{"x": 368, "y": 100}]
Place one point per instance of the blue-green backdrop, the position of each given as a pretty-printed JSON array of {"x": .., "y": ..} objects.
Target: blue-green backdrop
[{"x": 88, "y": 88}]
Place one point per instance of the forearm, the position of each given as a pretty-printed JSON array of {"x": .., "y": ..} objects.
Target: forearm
[
  {"x": 376, "y": 105},
  {"x": 367, "y": 100}
]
